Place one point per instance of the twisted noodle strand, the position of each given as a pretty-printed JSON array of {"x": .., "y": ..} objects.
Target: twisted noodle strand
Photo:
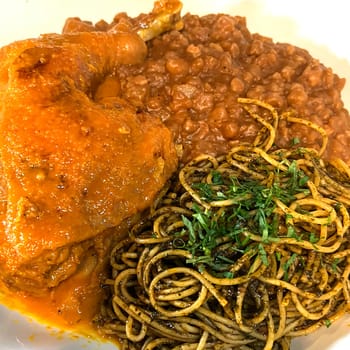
[{"x": 209, "y": 268}]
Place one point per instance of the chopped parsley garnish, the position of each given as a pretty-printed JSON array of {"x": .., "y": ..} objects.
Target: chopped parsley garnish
[{"x": 252, "y": 211}]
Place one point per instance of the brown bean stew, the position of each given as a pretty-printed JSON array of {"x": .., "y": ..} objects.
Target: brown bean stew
[{"x": 191, "y": 80}]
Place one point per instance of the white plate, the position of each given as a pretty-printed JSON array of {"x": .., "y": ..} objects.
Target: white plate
[{"x": 321, "y": 27}]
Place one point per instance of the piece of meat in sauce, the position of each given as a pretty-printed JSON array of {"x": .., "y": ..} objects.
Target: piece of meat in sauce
[{"x": 71, "y": 167}]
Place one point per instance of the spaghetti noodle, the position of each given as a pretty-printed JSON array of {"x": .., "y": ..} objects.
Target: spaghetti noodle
[{"x": 244, "y": 251}]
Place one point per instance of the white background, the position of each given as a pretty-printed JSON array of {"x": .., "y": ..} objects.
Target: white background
[{"x": 322, "y": 27}]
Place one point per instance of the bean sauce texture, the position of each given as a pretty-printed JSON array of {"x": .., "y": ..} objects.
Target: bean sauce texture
[{"x": 191, "y": 79}]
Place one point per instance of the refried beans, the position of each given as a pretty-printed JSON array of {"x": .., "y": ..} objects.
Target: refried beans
[{"x": 191, "y": 79}]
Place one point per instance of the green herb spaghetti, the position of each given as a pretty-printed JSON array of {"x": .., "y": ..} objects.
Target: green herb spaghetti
[{"x": 244, "y": 251}]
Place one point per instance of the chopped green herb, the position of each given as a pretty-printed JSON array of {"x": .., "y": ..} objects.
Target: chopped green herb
[
  {"x": 252, "y": 212},
  {"x": 217, "y": 178},
  {"x": 278, "y": 256},
  {"x": 335, "y": 263},
  {"x": 327, "y": 323},
  {"x": 295, "y": 141},
  {"x": 228, "y": 274},
  {"x": 263, "y": 255},
  {"x": 288, "y": 264},
  {"x": 313, "y": 238}
]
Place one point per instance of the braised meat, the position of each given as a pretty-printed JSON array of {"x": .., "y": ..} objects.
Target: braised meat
[{"x": 76, "y": 160}]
